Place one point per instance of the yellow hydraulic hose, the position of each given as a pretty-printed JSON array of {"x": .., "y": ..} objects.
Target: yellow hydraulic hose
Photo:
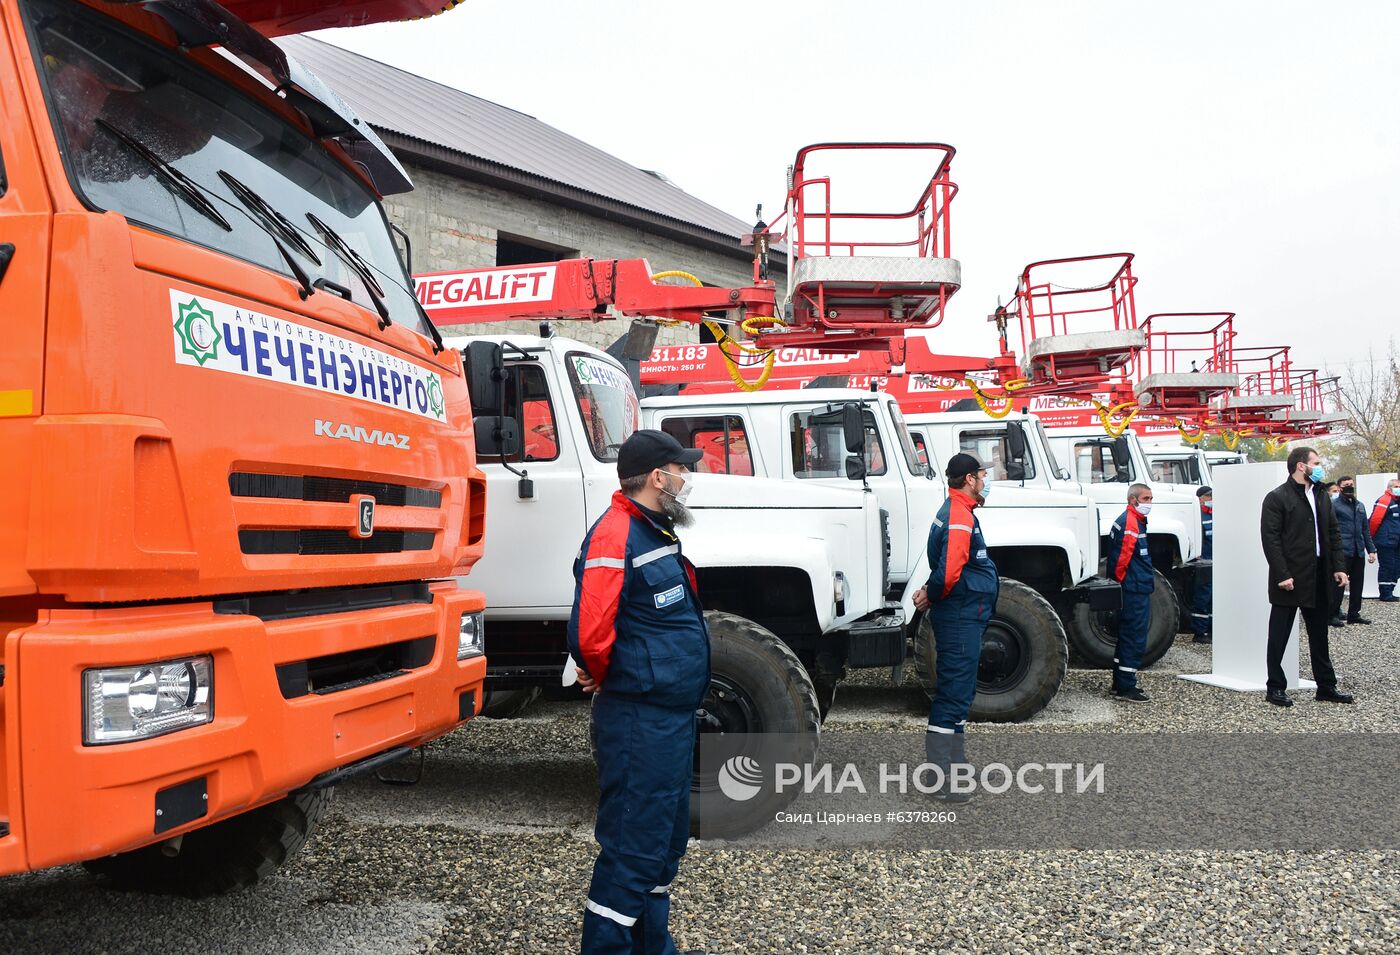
[
  {"x": 1107, "y": 414},
  {"x": 984, "y": 399},
  {"x": 1187, "y": 436},
  {"x": 751, "y": 326},
  {"x": 1274, "y": 445}
]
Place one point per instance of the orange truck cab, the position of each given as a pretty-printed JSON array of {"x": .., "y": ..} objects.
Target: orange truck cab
[{"x": 239, "y": 475}]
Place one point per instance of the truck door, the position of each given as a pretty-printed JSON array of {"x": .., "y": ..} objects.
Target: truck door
[
  {"x": 25, "y": 224},
  {"x": 532, "y": 541},
  {"x": 817, "y": 452}
]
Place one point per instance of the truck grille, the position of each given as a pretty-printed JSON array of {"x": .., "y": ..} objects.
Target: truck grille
[
  {"x": 885, "y": 551},
  {"x": 297, "y": 487},
  {"x": 316, "y": 541}
]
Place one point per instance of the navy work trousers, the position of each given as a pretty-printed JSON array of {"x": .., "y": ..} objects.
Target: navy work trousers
[
  {"x": 644, "y": 755},
  {"x": 1134, "y": 620},
  {"x": 959, "y": 620},
  {"x": 1202, "y": 615},
  {"x": 1389, "y": 570}
]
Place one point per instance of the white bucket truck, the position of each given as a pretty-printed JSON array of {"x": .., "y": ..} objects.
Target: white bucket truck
[
  {"x": 789, "y": 575},
  {"x": 1046, "y": 556}
]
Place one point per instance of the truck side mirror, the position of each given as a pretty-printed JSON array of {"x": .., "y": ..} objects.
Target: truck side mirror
[
  {"x": 1016, "y": 440},
  {"x": 855, "y": 468},
  {"x": 1119, "y": 449},
  {"x": 853, "y": 428},
  {"x": 485, "y": 366},
  {"x": 640, "y": 341},
  {"x": 497, "y": 436}
]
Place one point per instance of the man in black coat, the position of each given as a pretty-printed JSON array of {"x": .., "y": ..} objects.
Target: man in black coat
[{"x": 1304, "y": 549}]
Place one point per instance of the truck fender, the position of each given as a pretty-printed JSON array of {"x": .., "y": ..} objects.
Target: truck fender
[{"x": 774, "y": 551}]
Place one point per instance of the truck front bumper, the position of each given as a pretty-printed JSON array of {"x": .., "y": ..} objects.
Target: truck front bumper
[
  {"x": 276, "y": 726},
  {"x": 1100, "y": 593},
  {"x": 877, "y": 639}
]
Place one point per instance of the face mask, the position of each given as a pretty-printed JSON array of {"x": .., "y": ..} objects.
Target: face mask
[
  {"x": 986, "y": 491},
  {"x": 1348, "y": 492},
  {"x": 679, "y": 496},
  {"x": 1316, "y": 475},
  {"x": 1144, "y": 509},
  {"x": 1207, "y": 506},
  {"x": 1334, "y": 495}
]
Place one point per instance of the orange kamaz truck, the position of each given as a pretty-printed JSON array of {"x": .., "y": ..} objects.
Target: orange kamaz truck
[{"x": 238, "y": 472}]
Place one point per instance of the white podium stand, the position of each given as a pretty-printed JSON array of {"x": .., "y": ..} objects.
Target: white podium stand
[
  {"x": 1241, "y": 574},
  {"x": 1369, "y": 487}
]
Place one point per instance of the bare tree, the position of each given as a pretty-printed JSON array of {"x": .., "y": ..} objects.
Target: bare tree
[{"x": 1371, "y": 398}]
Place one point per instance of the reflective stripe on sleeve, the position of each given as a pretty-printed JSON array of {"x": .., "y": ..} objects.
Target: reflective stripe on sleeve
[
  {"x": 661, "y": 889},
  {"x": 1128, "y": 669},
  {"x": 617, "y": 562}
]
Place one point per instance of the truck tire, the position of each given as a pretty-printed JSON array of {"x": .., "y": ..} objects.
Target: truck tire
[
  {"x": 1024, "y": 657},
  {"x": 508, "y": 704},
  {"x": 762, "y": 700},
  {"x": 235, "y": 853},
  {"x": 1093, "y": 636}
]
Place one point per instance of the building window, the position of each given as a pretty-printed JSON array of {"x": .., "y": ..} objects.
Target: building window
[
  {"x": 511, "y": 250},
  {"x": 722, "y": 438}
]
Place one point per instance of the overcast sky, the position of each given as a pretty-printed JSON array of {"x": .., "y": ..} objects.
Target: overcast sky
[{"x": 1247, "y": 152}]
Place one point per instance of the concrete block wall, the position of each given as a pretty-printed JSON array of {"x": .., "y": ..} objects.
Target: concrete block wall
[{"x": 453, "y": 223}]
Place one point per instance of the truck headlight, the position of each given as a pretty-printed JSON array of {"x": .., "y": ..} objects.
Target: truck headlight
[
  {"x": 121, "y": 704},
  {"x": 471, "y": 641}
]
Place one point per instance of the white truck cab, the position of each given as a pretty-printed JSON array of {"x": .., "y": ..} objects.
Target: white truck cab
[
  {"x": 790, "y": 435},
  {"x": 1040, "y": 528},
  {"x": 789, "y": 575},
  {"x": 1104, "y": 467},
  {"x": 1178, "y": 466}
]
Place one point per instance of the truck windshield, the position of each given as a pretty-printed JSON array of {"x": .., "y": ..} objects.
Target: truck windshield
[
  {"x": 906, "y": 441},
  {"x": 606, "y": 403},
  {"x": 124, "y": 106},
  {"x": 1050, "y": 458}
]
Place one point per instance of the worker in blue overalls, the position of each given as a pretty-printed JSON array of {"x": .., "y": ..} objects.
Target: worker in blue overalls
[
  {"x": 1385, "y": 531},
  {"x": 639, "y": 635},
  {"x": 959, "y": 597},
  {"x": 1131, "y": 565},
  {"x": 1202, "y": 619}
]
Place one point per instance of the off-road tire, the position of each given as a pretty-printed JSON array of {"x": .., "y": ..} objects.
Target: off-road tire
[
  {"x": 508, "y": 704},
  {"x": 1027, "y": 618},
  {"x": 748, "y": 656},
  {"x": 1093, "y": 636},
  {"x": 232, "y": 854}
]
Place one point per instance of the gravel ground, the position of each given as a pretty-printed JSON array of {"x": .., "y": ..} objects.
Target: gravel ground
[{"x": 491, "y": 853}]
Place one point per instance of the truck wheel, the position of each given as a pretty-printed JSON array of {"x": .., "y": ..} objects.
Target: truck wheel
[
  {"x": 508, "y": 704},
  {"x": 233, "y": 854},
  {"x": 1095, "y": 635},
  {"x": 762, "y": 701},
  {"x": 1024, "y": 657}
]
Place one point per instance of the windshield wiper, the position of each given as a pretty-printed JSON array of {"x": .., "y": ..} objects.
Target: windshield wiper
[
  {"x": 365, "y": 271},
  {"x": 347, "y": 254},
  {"x": 272, "y": 219},
  {"x": 356, "y": 264},
  {"x": 178, "y": 182}
]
